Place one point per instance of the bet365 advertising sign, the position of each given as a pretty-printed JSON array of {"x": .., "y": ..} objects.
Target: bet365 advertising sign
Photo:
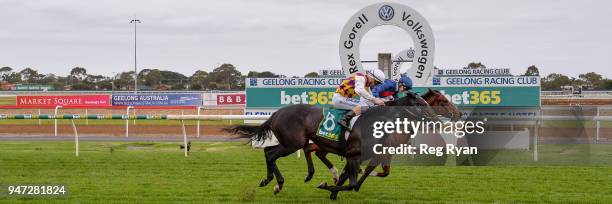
[
  {"x": 478, "y": 91},
  {"x": 506, "y": 91},
  {"x": 278, "y": 92}
]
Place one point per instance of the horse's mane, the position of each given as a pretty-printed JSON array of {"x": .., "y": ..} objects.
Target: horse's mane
[
  {"x": 406, "y": 100},
  {"x": 409, "y": 100},
  {"x": 412, "y": 99},
  {"x": 429, "y": 93}
]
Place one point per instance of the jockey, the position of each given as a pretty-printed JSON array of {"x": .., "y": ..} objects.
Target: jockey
[
  {"x": 358, "y": 84},
  {"x": 390, "y": 88},
  {"x": 387, "y": 90}
]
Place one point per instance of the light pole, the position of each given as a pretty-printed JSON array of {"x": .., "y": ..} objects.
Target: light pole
[
  {"x": 113, "y": 82},
  {"x": 135, "y": 21}
]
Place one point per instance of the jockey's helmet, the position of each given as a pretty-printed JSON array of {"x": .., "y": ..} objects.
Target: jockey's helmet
[
  {"x": 377, "y": 74},
  {"x": 406, "y": 82}
]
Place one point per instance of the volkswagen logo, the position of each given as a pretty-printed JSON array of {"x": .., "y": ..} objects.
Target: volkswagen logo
[
  {"x": 410, "y": 53},
  {"x": 386, "y": 12}
]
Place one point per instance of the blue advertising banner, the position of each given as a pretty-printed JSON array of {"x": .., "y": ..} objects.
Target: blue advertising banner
[{"x": 156, "y": 100}]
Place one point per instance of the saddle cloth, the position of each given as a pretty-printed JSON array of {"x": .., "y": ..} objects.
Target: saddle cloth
[
  {"x": 346, "y": 133},
  {"x": 329, "y": 127},
  {"x": 272, "y": 141}
]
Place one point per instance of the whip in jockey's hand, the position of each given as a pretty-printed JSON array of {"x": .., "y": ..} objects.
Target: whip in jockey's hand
[{"x": 358, "y": 84}]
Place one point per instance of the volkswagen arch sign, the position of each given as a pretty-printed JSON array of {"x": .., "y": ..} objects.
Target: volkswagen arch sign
[{"x": 389, "y": 14}]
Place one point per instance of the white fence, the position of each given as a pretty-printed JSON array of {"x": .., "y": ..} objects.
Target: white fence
[
  {"x": 537, "y": 120},
  {"x": 582, "y": 95}
]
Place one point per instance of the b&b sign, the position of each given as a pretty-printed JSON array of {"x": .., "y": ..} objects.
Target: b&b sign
[{"x": 231, "y": 99}]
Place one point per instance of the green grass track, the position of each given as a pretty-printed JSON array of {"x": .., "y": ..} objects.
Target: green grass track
[{"x": 131, "y": 172}]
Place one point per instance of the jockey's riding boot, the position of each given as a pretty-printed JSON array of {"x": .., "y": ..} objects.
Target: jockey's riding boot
[{"x": 346, "y": 120}]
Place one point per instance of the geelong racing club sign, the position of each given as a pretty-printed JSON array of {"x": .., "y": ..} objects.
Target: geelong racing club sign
[{"x": 389, "y": 14}]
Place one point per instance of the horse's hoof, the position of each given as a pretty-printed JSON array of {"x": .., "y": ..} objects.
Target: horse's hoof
[
  {"x": 276, "y": 189},
  {"x": 263, "y": 183},
  {"x": 333, "y": 195},
  {"x": 357, "y": 188},
  {"x": 322, "y": 185},
  {"x": 307, "y": 179}
]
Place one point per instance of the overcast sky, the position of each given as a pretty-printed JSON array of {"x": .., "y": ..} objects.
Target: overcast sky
[{"x": 296, "y": 37}]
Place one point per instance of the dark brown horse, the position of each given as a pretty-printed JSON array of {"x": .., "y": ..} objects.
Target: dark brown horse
[
  {"x": 293, "y": 126},
  {"x": 441, "y": 106},
  {"x": 438, "y": 102}
]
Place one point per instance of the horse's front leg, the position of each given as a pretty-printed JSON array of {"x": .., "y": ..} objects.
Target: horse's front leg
[
  {"x": 352, "y": 171},
  {"x": 341, "y": 180},
  {"x": 385, "y": 173},
  {"x": 323, "y": 157},
  {"x": 385, "y": 162},
  {"x": 368, "y": 171}
]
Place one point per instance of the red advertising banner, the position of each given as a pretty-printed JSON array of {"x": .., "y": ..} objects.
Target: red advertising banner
[
  {"x": 231, "y": 99},
  {"x": 67, "y": 100}
]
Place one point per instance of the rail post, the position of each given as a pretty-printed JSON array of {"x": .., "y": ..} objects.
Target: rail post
[
  {"x": 535, "y": 136},
  {"x": 230, "y": 112},
  {"x": 55, "y": 121},
  {"x": 243, "y": 113},
  {"x": 184, "y": 137},
  {"x": 86, "y": 118},
  {"x": 39, "y": 120},
  {"x": 76, "y": 138},
  {"x": 127, "y": 120},
  {"x": 598, "y": 126},
  {"x": 198, "y": 122}
]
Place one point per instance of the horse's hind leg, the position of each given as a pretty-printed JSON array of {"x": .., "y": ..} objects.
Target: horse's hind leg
[
  {"x": 279, "y": 151},
  {"x": 307, "y": 153},
  {"x": 269, "y": 176}
]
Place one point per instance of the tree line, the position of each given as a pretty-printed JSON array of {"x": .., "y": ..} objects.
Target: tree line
[
  {"x": 224, "y": 77},
  {"x": 556, "y": 81},
  {"x": 227, "y": 77}
]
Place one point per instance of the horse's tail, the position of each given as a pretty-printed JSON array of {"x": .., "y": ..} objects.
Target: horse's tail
[{"x": 254, "y": 133}]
